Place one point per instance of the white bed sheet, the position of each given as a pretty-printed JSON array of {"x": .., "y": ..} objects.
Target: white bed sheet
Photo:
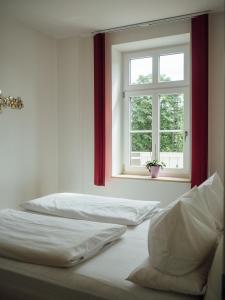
[{"x": 103, "y": 275}]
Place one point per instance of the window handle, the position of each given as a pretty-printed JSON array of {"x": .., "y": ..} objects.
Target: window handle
[{"x": 185, "y": 135}]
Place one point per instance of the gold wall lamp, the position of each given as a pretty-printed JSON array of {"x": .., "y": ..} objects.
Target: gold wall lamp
[{"x": 10, "y": 102}]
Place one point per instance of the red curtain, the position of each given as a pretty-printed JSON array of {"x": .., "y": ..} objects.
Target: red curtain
[
  {"x": 199, "y": 44},
  {"x": 99, "y": 109}
]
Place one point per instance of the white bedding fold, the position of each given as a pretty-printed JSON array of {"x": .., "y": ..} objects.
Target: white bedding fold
[
  {"x": 52, "y": 241},
  {"x": 93, "y": 208}
]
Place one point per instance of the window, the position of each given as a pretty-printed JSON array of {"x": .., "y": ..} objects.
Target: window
[
  {"x": 156, "y": 110},
  {"x": 140, "y": 70}
]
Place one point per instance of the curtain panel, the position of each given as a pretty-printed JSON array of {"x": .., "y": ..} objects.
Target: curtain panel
[
  {"x": 99, "y": 109},
  {"x": 199, "y": 49}
]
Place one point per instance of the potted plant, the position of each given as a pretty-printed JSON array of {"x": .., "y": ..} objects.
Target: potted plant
[{"x": 154, "y": 166}]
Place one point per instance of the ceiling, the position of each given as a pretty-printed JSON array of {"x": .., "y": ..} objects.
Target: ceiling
[{"x": 66, "y": 18}]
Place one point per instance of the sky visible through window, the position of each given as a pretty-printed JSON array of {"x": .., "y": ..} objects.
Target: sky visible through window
[
  {"x": 140, "y": 67},
  {"x": 171, "y": 68}
]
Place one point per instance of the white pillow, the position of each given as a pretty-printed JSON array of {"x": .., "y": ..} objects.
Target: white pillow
[
  {"x": 214, "y": 285},
  {"x": 216, "y": 184},
  {"x": 193, "y": 283},
  {"x": 198, "y": 207},
  {"x": 93, "y": 208},
  {"x": 212, "y": 194},
  {"x": 179, "y": 241}
]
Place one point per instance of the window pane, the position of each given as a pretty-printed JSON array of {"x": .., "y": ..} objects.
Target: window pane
[
  {"x": 141, "y": 148},
  {"x": 171, "y": 67},
  {"x": 141, "y": 113},
  {"x": 171, "y": 112},
  {"x": 171, "y": 149},
  {"x": 141, "y": 70}
]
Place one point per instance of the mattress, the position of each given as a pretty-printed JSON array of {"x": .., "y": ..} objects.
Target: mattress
[{"x": 101, "y": 277}]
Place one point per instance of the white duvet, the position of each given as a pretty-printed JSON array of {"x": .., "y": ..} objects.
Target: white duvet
[
  {"x": 52, "y": 241},
  {"x": 93, "y": 208}
]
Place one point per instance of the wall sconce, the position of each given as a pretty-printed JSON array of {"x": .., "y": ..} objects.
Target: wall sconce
[{"x": 10, "y": 102}]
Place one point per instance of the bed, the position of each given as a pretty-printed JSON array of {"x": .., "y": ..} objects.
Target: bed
[{"x": 101, "y": 277}]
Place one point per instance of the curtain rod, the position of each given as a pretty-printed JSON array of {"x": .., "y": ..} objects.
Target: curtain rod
[{"x": 153, "y": 22}]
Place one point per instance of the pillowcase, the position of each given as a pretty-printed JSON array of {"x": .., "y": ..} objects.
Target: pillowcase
[
  {"x": 212, "y": 194},
  {"x": 215, "y": 183},
  {"x": 93, "y": 208},
  {"x": 180, "y": 239},
  {"x": 193, "y": 283},
  {"x": 198, "y": 208},
  {"x": 214, "y": 284}
]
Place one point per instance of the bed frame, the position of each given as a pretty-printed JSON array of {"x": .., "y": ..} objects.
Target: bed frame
[{"x": 14, "y": 286}]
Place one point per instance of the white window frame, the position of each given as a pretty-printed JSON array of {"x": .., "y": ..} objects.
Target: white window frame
[{"x": 154, "y": 89}]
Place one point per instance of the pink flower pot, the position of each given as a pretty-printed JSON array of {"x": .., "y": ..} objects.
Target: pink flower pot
[{"x": 154, "y": 171}]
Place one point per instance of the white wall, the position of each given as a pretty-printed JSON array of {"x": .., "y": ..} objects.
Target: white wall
[
  {"x": 116, "y": 105},
  {"x": 76, "y": 126},
  {"x": 70, "y": 115},
  {"x": 31, "y": 138},
  {"x": 28, "y": 151},
  {"x": 216, "y": 94}
]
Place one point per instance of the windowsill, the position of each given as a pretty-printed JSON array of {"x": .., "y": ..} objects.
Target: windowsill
[{"x": 143, "y": 177}]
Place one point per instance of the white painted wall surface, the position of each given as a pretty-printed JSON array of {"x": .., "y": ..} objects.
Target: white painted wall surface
[
  {"x": 216, "y": 94},
  {"x": 76, "y": 128},
  {"x": 116, "y": 135},
  {"x": 70, "y": 115},
  {"x": 28, "y": 138},
  {"x": 31, "y": 138}
]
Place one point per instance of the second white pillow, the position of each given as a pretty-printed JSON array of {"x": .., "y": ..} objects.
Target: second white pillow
[
  {"x": 179, "y": 240},
  {"x": 212, "y": 194}
]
